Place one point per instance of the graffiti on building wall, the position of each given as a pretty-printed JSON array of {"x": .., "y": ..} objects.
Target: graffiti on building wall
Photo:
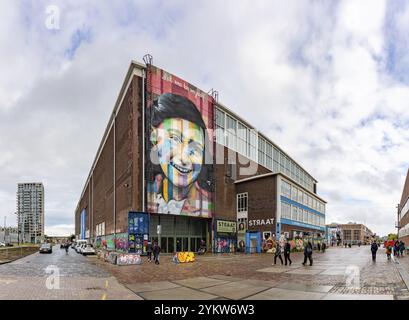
[
  {"x": 179, "y": 159},
  {"x": 118, "y": 242},
  {"x": 184, "y": 257},
  {"x": 124, "y": 259}
]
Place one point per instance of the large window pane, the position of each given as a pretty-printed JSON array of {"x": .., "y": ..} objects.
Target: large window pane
[{"x": 231, "y": 125}]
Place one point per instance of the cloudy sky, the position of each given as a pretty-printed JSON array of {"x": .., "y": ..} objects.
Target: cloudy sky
[{"x": 328, "y": 81}]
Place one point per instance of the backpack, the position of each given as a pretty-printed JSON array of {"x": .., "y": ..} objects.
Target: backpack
[{"x": 309, "y": 250}]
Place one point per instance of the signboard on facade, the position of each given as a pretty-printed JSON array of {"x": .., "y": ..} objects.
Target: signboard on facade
[
  {"x": 261, "y": 222},
  {"x": 225, "y": 226}
]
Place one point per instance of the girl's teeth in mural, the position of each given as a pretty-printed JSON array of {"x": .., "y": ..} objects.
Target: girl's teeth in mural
[{"x": 181, "y": 169}]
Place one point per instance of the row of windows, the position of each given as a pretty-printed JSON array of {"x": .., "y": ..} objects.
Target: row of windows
[
  {"x": 297, "y": 214},
  {"x": 292, "y": 192},
  {"x": 236, "y": 136}
]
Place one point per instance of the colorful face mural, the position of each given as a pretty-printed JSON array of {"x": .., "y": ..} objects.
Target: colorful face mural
[{"x": 179, "y": 160}]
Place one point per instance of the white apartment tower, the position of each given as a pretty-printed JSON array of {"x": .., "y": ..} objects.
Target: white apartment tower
[{"x": 30, "y": 212}]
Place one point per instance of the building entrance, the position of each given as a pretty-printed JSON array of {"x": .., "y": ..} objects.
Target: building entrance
[{"x": 178, "y": 233}]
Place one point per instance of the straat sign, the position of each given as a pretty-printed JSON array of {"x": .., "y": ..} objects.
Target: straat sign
[
  {"x": 261, "y": 222},
  {"x": 226, "y": 226}
]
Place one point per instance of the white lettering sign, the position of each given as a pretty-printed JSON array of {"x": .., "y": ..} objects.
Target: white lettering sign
[{"x": 261, "y": 222}]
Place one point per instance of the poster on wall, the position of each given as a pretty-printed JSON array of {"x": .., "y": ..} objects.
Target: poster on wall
[
  {"x": 138, "y": 232},
  {"x": 179, "y": 146}
]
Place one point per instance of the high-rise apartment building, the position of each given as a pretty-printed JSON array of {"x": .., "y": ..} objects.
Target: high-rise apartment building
[{"x": 30, "y": 212}]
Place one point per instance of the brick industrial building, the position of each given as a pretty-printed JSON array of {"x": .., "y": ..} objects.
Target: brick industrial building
[
  {"x": 177, "y": 166},
  {"x": 403, "y": 214}
]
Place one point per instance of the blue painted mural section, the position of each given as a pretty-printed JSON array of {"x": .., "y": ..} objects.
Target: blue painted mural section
[
  {"x": 299, "y": 205},
  {"x": 301, "y": 224},
  {"x": 82, "y": 233}
]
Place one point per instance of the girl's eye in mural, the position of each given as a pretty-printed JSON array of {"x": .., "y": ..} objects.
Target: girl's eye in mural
[
  {"x": 175, "y": 138},
  {"x": 195, "y": 149}
]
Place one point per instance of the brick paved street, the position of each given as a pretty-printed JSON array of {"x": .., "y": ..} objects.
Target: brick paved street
[
  {"x": 210, "y": 277},
  {"x": 328, "y": 276},
  {"x": 26, "y": 278}
]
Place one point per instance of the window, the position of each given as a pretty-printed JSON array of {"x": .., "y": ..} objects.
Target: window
[
  {"x": 292, "y": 170},
  {"x": 269, "y": 156},
  {"x": 305, "y": 199},
  {"x": 310, "y": 218},
  {"x": 242, "y": 139},
  {"x": 220, "y": 126},
  {"x": 299, "y": 198},
  {"x": 294, "y": 193},
  {"x": 305, "y": 216},
  {"x": 282, "y": 162},
  {"x": 252, "y": 144},
  {"x": 276, "y": 158},
  {"x": 285, "y": 189},
  {"x": 242, "y": 202},
  {"x": 294, "y": 215},
  {"x": 261, "y": 151},
  {"x": 285, "y": 210},
  {"x": 231, "y": 126},
  {"x": 287, "y": 166}
]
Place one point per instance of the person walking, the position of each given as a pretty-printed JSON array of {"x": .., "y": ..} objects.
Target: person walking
[
  {"x": 156, "y": 252},
  {"x": 374, "y": 248},
  {"x": 277, "y": 254},
  {"x": 66, "y": 246},
  {"x": 388, "y": 251},
  {"x": 287, "y": 251},
  {"x": 401, "y": 247},
  {"x": 324, "y": 246},
  {"x": 149, "y": 251},
  {"x": 308, "y": 253},
  {"x": 396, "y": 249},
  {"x": 319, "y": 246}
]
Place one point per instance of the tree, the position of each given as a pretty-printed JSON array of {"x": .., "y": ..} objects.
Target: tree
[
  {"x": 72, "y": 237},
  {"x": 392, "y": 236}
]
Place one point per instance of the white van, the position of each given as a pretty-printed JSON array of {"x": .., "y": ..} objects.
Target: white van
[{"x": 79, "y": 244}]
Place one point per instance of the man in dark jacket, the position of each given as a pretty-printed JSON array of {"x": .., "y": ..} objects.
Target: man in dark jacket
[
  {"x": 374, "y": 248},
  {"x": 156, "y": 252},
  {"x": 287, "y": 251},
  {"x": 401, "y": 247},
  {"x": 308, "y": 253},
  {"x": 149, "y": 251}
]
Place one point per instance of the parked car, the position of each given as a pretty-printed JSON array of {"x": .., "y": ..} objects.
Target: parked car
[
  {"x": 79, "y": 244},
  {"x": 88, "y": 249},
  {"x": 81, "y": 247},
  {"x": 73, "y": 245},
  {"x": 46, "y": 248},
  {"x": 2, "y": 244}
]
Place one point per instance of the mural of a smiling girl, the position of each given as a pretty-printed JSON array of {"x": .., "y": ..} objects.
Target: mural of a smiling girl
[{"x": 179, "y": 181}]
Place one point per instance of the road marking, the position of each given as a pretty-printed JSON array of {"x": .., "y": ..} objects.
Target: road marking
[
  {"x": 106, "y": 283},
  {"x": 104, "y": 297}
]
